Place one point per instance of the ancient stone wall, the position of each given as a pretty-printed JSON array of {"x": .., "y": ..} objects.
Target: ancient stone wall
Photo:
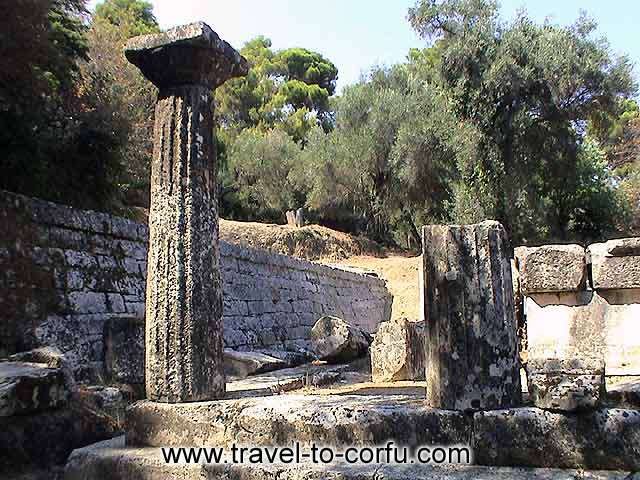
[
  {"x": 582, "y": 303},
  {"x": 65, "y": 273}
]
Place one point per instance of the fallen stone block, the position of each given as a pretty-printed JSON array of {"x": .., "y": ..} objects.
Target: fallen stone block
[
  {"x": 397, "y": 351},
  {"x": 335, "y": 341},
  {"x": 551, "y": 268},
  {"x": 124, "y": 349},
  {"x": 607, "y": 439},
  {"x": 566, "y": 384},
  {"x": 615, "y": 264},
  {"x": 30, "y": 387},
  {"x": 52, "y": 357},
  {"x": 243, "y": 364}
]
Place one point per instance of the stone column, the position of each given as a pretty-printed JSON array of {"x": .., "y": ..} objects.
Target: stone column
[
  {"x": 471, "y": 338},
  {"x": 184, "y": 293}
]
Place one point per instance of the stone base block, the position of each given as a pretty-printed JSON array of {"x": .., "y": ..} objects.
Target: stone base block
[
  {"x": 604, "y": 439},
  {"x": 586, "y": 324},
  {"x": 567, "y": 385},
  {"x": 328, "y": 420},
  {"x": 111, "y": 460}
]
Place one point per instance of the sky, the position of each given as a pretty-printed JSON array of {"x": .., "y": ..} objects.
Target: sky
[{"x": 358, "y": 34}]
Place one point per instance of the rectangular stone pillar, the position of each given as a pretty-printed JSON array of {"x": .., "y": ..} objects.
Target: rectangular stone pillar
[
  {"x": 471, "y": 338},
  {"x": 184, "y": 355}
]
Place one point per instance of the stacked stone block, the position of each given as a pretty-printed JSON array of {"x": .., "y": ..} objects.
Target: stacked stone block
[
  {"x": 69, "y": 276},
  {"x": 64, "y": 272},
  {"x": 571, "y": 314}
]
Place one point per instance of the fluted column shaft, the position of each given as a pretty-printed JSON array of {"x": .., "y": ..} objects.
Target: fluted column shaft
[
  {"x": 184, "y": 294},
  {"x": 471, "y": 339}
]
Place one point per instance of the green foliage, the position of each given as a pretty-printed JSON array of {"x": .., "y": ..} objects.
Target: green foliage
[
  {"x": 259, "y": 169},
  {"x": 50, "y": 146},
  {"x": 133, "y": 17},
  {"x": 289, "y": 89},
  {"x": 524, "y": 90},
  {"x": 116, "y": 91},
  {"x": 380, "y": 170}
]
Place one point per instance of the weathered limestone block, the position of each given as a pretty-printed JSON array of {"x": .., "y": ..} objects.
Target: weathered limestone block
[
  {"x": 111, "y": 460},
  {"x": 471, "y": 339},
  {"x": 566, "y": 385},
  {"x": 124, "y": 349},
  {"x": 397, "y": 351},
  {"x": 551, "y": 268},
  {"x": 335, "y": 341},
  {"x": 607, "y": 439},
  {"x": 30, "y": 387},
  {"x": 615, "y": 264},
  {"x": 332, "y": 420},
  {"x": 600, "y": 324},
  {"x": 243, "y": 364},
  {"x": 184, "y": 293}
]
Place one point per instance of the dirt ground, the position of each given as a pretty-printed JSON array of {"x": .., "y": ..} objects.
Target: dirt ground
[
  {"x": 312, "y": 242},
  {"x": 401, "y": 273}
]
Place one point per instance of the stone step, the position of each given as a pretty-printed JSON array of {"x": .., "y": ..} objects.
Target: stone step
[
  {"x": 111, "y": 460},
  {"x": 30, "y": 387},
  {"x": 607, "y": 438},
  {"x": 335, "y": 420}
]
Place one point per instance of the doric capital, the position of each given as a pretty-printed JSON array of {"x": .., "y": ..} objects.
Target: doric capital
[{"x": 188, "y": 55}]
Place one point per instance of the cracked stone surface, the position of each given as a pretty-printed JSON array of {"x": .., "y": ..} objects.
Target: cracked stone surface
[
  {"x": 113, "y": 461},
  {"x": 551, "y": 268},
  {"x": 471, "y": 338},
  {"x": 532, "y": 437},
  {"x": 278, "y": 420},
  {"x": 184, "y": 342},
  {"x": 566, "y": 384}
]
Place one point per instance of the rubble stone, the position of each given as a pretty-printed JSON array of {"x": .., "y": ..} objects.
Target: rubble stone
[
  {"x": 567, "y": 385},
  {"x": 397, "y": 351},
  {"x": 551, "y": 268},
  {"x": 243, "y": 364},
  {"x": 30, "y": 387},
  {"x": 335, "y": 341},
  {"x": 471, "y": 338}
]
